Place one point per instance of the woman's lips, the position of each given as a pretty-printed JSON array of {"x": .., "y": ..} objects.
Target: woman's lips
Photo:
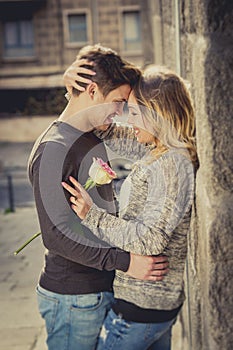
[{"x": 136, "y": 131}]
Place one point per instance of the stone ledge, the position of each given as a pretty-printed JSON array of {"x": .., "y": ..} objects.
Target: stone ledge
[{"x": 23, "y": 129}]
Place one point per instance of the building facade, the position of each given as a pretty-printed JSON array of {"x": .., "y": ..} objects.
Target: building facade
[{"x": 40, "y": 38}]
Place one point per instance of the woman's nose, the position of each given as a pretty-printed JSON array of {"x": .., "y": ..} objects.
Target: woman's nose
[{"x": 131, "y": 119}]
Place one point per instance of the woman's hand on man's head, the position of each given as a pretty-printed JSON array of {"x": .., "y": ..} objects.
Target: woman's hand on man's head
[{"x": 71, "y": 77}]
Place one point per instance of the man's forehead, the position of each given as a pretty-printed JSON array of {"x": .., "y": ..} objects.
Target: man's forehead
[{"x": 122, "y": 92}]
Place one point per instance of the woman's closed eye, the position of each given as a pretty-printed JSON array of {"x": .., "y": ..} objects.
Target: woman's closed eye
[
  {"x": 133, "y": 116},
  {"x": 132, "y": 112}
]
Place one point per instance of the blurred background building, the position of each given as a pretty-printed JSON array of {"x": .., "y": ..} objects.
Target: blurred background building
[{"x": 40, "y": 38}]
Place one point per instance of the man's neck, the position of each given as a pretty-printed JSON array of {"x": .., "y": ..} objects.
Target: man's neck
[{"x": 76, "y": 115}]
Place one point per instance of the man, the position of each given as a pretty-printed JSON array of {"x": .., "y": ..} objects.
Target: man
[{"x": 75, "y": 287}]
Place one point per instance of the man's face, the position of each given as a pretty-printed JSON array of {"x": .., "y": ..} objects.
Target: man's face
[{"x": 109, "y": 106}]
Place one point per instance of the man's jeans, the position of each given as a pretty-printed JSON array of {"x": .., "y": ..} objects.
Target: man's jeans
[
  {"x": 73, "y": 322},
  {"x": 120, "y": 334}
]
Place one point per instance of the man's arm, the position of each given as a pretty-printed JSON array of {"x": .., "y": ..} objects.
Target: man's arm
[{"x": 56, "y": 220}]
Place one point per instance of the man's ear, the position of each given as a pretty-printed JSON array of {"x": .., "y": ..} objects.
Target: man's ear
[{"x": 92, "y": 89}]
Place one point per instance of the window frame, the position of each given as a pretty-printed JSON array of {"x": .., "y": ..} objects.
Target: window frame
[
  {"x": 121, "y": 10},
  {"x": 82, "y": 11},
  {"x": 31, "y": 57}
]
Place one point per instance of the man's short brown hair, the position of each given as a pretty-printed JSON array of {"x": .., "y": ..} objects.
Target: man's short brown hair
[{"x": 111, "y": 70}]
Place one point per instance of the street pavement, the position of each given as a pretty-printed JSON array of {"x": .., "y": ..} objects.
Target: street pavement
[{"x": 21, "y": 327}]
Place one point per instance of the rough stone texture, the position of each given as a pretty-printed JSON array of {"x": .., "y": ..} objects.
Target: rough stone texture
[
  {"x": 206, "y": 41},
  {"x": 206, "y": 62},
  {"x": 168, "y": 33},
  {"x": 215, "y": 183}
]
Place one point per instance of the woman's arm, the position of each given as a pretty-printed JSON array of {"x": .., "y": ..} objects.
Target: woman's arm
[
  {"x": 120, "y": 138},
  {"x": 170, "y": 193},
  {"x": 72, "y": 77}
]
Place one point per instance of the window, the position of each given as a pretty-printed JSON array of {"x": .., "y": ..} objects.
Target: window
[
  {"x": 77, "y": 28},
  {"x": 132, "y": 37},
  {"x": 18, "y": 39}
]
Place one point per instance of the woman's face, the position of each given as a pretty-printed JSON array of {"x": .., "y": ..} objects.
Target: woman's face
[{"x": 142, "y": 129}]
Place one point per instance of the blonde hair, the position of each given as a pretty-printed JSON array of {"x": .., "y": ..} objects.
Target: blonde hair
[{"x": 165, "y": 102}]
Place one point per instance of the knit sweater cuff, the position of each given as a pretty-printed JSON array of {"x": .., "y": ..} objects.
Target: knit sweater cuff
[
  {"x": 92, "y": 217},
  {"x": 92, "y": 222}
]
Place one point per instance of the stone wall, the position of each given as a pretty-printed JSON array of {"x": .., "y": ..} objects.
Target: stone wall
[
  {"x": 208, "y": 44},
  {"x": 206, "y": 61}
]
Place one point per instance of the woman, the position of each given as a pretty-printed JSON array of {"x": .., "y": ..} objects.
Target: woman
[{"x": 155, "y": 213}]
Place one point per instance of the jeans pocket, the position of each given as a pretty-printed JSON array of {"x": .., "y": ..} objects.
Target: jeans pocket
[
  {"x": 48, "y": 307},
  {"x": 88, "y": 301}
]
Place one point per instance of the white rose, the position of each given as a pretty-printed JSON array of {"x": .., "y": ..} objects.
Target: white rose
[{"x": 100, "y": 174}]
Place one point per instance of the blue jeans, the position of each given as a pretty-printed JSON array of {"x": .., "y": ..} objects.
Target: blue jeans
[
  {"x": 118, "y": 334},
  {"x": 73, "y": 322}
]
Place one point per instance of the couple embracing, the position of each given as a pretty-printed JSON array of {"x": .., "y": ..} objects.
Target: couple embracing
[{"x": 93, "y": 248}]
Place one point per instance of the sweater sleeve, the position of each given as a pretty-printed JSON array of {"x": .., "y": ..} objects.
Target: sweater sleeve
[
  {"x": 170, "y": 194},
  {"x": 62, "y": 233},
  {"x": 121, "y": 140}
]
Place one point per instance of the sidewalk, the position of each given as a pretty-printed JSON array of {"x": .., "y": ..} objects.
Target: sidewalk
[{"x": 21, "y": 327}]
